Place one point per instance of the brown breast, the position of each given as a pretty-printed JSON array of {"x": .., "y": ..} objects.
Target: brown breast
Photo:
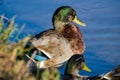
[{"x": 74, "y": 36}]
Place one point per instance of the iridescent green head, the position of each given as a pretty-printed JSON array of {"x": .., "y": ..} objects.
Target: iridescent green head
[{"x": 66, "y": 14}]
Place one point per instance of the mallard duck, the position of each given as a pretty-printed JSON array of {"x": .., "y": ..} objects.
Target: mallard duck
[
  {"x": 77, "y": 63},
  {"x": 61, "y": 42},
  {"x": 73, "y": 66}
]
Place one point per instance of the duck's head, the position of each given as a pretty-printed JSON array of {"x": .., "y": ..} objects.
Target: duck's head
[
  {"x": 76, "y": 63},
  {"x": 64, "y": 15}
]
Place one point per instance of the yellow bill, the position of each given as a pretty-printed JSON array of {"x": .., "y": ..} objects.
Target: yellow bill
[
  {"x": 76, "y": 20},
  {"x": 85, "y": 68}
]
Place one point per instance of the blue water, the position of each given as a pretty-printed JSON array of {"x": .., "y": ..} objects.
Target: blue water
[{"x": 101, "y": 35}]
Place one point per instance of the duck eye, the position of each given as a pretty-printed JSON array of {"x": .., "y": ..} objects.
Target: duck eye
[{"x": 70, "y": 17}]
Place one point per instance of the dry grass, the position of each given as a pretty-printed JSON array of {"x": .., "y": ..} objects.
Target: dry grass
[{"x": 12, "y": 63}]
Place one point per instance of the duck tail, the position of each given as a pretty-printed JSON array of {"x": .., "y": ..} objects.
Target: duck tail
[{"x": 113, "y": 75}]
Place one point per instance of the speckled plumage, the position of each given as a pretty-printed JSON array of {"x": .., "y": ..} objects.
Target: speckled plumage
[
  {"x": 54, "y": 46},
  {"x": 74, "y": 37}
]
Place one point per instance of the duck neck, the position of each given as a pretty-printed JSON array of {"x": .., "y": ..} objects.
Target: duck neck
[
  {"x": 59, "y": 26},
  {"x": 71, "y": 71}
]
